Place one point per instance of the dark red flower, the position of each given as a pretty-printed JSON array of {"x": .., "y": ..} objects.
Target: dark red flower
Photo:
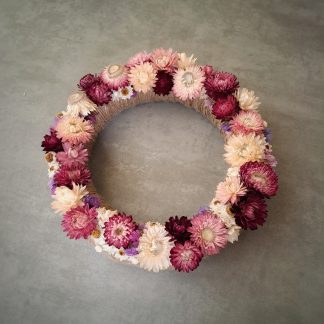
[
  {"x": 51, "y": 143},
  {"x": 66, "y": 175},
  {"x": 185, "y": 257},
  {"x": 250, "y": 211},
  {"x": 87, "y": 81},
  {"x": 225, "y": 107},
  {"x": 219, "y": 83},
  {"x": 259, "y": 176},
  {"x": 99, "y": 93},
  {"x": 164, "y": 83},
  {"x": 177, "y": 228}
]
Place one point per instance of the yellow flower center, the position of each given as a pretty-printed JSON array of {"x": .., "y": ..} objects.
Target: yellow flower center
[
  {"x": 142, "y": 77},
  {"x": 156, "y": 247},
  {"x": 115, "y": 70},
  {"x": 188, "y": 79},
  {"x": 74, "y": 128},
  {"x": 207, "y": 234}
]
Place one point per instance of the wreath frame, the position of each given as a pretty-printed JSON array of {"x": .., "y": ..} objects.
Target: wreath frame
[{"x": 161, "y": 76}]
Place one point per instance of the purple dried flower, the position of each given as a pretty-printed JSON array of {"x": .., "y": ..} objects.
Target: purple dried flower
[{"x": 92, "y": 201}]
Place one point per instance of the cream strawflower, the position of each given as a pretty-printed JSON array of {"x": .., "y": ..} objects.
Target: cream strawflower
[
  {"x": 244, "y": 148},
  {"x": 230, "y": 190},
  {"x": 104, "y": 214},
  {"x": 79, "y": 104},
  {"x": 154, "y": 248},
  {"x": 142, "y": 77},
  {"x": 247, "y": 99},
  {"x": 186, "y": 61},
  {"x": 223, "y": 211},
  {"x": 66, "y": 198},
  {"x": 233, "y": 172},
  {"x": 188, "y": 83},
  {"x": 233, "y": 233}
]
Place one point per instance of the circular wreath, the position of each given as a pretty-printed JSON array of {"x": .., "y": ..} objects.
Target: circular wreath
[{"x": 182, "y": 242}]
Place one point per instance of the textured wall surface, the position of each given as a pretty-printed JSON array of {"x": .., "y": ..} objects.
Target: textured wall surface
[{"x": 161, "y": 159}]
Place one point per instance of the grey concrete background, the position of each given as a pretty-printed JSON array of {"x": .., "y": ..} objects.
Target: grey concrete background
[{"x": 158, "y": 160}]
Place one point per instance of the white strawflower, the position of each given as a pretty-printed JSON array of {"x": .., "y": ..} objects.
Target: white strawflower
[
  {"x": 79, "y": 103},
  {"x": 52, "y": 168},
  {"x": 154, "y": 248},
  {"x": 223, "y": 212},
  {"x": 66, "y": 198}
]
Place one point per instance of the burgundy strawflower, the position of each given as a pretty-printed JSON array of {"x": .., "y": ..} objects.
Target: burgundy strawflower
[
  {"x": 99, "y": 93},
  {"x": 164, "y": 83},
  {"x": 118, "y": 230},
  {"x": 250, "y": 211},
  {"x": 259, "y": 176},
  {"x": 225, "y": 107},
  {"x": 79, "y": 222},
  {"x": 68, "y": 174},
  {"x": 219, "y": 83},
  {"x": 87, "y": 81},
  {"x": 185, "y": 257},
  {"x": 177, "y": 228},
  {"x": 51, "y": 143}
]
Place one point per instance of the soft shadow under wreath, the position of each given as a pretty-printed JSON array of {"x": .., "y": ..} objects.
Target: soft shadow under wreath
[{"x": 181, "y": 243}]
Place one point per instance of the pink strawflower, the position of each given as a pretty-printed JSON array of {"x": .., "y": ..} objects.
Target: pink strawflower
[
  {"x": 163, "y": 59},
  {"x": 115, "y": 76},
  {"x": 73, "y": 155},
  {"x": 118, "y": 230},
  {"x": 66, "y": 175},
  {"x": 270, "y": 158},
  {"x": 225, "y": 107},
  {"x": 260, "y": 176},
  {"x": 219, "y": 83},
  {"x": 185, "y": 257},
  {"x": 99, "y": 92},
  {"x": 188, "y": 83},
  {"x": 139, "y": 58},
  {"x": 230, "y": 190},
  {"x": 250, "y": 211},
  {"x": 208, "y": 232},
  {"x": 74, "y": 129},
  {"x": 247, "y": 122},
  {"x": 79, "y": 222}
]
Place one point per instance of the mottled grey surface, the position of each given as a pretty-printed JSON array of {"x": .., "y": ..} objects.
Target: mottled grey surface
[{"x": 160, "y": 159}]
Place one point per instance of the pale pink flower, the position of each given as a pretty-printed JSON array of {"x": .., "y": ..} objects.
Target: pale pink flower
[
  {"x": 247, "y": 122},
  {"x": 74, "y": 129},
  {"x": 188, "y": 83},
  {"x": 230, "y": 190},
  {"x": 115, "y": 76},
  {"x": 139, "y": 58},
  {"x": 163, "y": 59},
  {"x": 142, "y": 77}
]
